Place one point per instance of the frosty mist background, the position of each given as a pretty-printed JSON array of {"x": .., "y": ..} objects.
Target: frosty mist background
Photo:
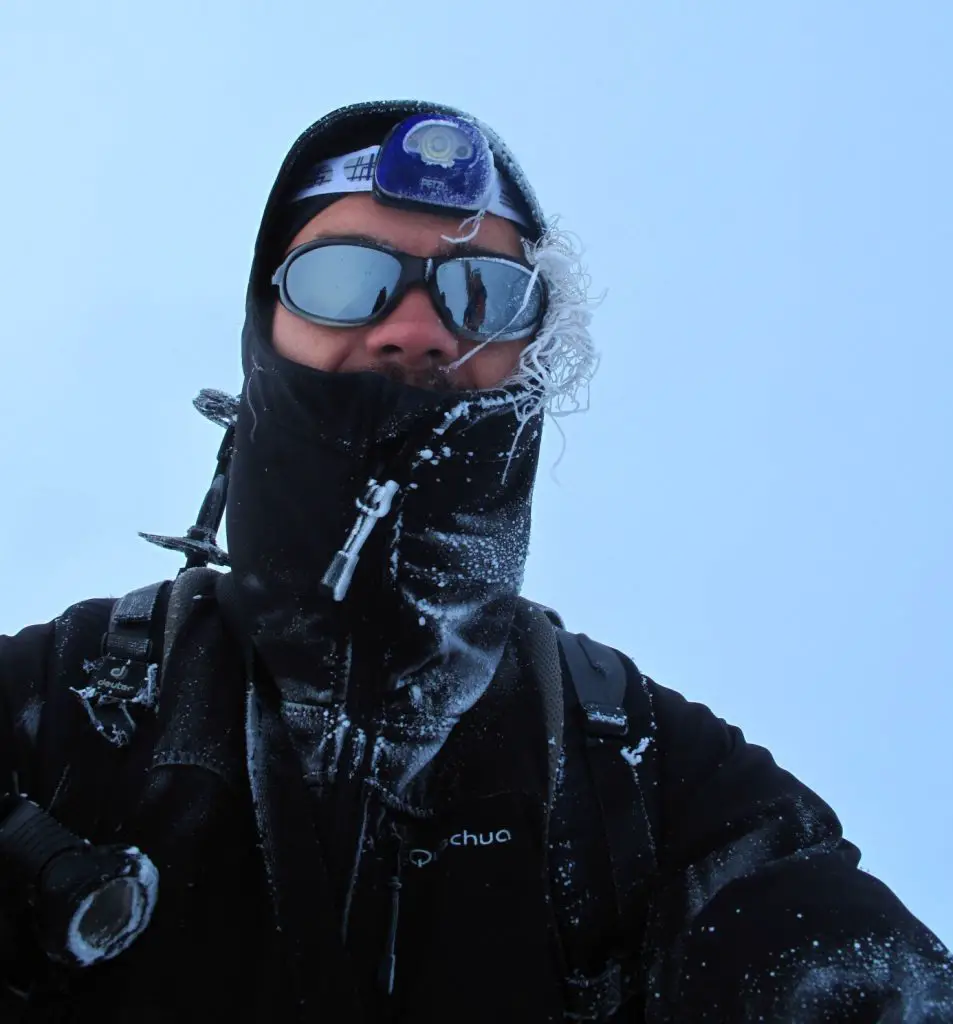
[{"x": 758, "y": 506}]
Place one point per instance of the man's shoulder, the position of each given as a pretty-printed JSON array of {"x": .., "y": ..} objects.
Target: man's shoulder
[
  {"x": 86, "y": 610},
  {"x": 608, "y": 692},
  {"x": 63, "y": 647},
  {"x": 150, "y": 608},
  {"x": 595, "y": 670},
  {"x": 33, "y": 651}
]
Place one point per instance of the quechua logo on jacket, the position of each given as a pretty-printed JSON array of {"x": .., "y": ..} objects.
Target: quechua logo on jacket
[{"x": 421, "y": 857}]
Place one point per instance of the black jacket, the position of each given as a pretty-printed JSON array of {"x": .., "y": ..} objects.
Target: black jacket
[
  {"x": 346, "y": 789},
  {"x": 753, "y": 907}
]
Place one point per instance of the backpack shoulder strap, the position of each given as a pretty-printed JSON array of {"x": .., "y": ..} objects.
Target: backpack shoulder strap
[
  {"x": 618, "y": 721},
  {"x": 119, "y": 696},
  {"x": 610, "y": 705},
  {"x": 603, "y": 695},
  {"x": 191, "y": 585},
  {"x": 143, "y": 624},
  {"x": 541, "y": 651}
]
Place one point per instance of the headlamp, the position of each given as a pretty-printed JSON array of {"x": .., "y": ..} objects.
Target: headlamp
[
  {"x": 440, "y": 162},
  {"x": 443, "y": 164}
]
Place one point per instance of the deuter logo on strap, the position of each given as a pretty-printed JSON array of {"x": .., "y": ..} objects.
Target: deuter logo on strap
[{"x": 421, "y": 857}]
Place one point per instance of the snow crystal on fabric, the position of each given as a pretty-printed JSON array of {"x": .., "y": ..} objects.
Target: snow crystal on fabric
[
  {"x": 862, "y": 972},
  {"x": 633, "y": 755},
  {"x": 574, "y": 893},
  {"x": 28, "y": 720},
  {"x": 323, "y": 735},
  {"x": 457, "y": 577}
]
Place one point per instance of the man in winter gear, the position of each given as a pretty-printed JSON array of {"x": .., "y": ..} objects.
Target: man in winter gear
[{"x": 373, "y": 782}]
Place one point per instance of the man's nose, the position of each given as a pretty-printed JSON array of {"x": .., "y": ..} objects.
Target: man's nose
[{"x": 413, "y": 334}]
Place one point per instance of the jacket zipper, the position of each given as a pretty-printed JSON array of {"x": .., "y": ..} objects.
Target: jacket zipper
[
  {"x": 388, "y": 966},
  {"x": 371, "y": 509},
  {"x": 363, "y": 704}
]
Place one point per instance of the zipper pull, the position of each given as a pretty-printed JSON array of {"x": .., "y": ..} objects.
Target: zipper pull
[
  {"x": 373, "y": 506},
  {"x": 388, "y": 967}
]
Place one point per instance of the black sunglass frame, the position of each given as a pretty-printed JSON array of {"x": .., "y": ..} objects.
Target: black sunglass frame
[{"x": 414, "y": 270}]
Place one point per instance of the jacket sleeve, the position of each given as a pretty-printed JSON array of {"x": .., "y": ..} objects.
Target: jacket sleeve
[
  {"x": 762, "y": 913},
  {"x": 24, "y": 661},
  {"x": 32, "y": 665},
  {"x": 24, "y": 668},
  {"x": 37, "y": 667}
]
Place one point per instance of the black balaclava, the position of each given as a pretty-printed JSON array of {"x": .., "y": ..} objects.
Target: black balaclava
[{"x": 373, "y": 683}]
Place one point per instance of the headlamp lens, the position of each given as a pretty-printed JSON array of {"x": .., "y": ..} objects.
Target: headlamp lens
[{"x": 439, "y": 144}]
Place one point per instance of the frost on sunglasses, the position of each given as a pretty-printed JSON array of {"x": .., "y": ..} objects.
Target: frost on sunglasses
[{"x": 338, "y": 283}]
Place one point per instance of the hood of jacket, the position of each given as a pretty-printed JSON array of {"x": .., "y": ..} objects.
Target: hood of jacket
[{"x": 416, "y": 503}]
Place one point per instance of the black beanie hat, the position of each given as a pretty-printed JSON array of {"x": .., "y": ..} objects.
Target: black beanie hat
[{"x": 291, "y": 219}]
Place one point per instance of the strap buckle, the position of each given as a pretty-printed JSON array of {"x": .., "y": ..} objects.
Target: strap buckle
[
  {"x": 605, "y": 719},
  {"x": 124, "y": 675}
]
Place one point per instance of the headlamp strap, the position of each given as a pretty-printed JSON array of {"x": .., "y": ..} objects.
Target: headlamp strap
[
  {"x": 442, "y": 163},
  {"x": 354, "y": 172}
]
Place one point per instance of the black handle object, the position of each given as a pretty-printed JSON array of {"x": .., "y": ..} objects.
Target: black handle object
[{"x": 89, "y": 902}]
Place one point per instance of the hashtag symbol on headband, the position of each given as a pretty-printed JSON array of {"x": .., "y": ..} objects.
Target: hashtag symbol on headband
[
  {"x": 323, "y": 174},
  {"x": 362, "y": 168}
]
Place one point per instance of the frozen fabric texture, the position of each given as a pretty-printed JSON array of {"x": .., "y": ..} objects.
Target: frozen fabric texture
[
  {"x": 422, "y": 627},
  {"x": 757, "y": 909},
  {"x": 382, "y": 676},
  {"x": 757, "y": 884}
]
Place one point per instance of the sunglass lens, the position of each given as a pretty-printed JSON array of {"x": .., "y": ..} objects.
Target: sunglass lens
[
  {"x": 347, "y": 284},
  {"x": 487, "y": 296}
]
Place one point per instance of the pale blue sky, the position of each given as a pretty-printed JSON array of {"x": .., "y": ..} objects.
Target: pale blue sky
[{"x": 757, "y": 508}]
